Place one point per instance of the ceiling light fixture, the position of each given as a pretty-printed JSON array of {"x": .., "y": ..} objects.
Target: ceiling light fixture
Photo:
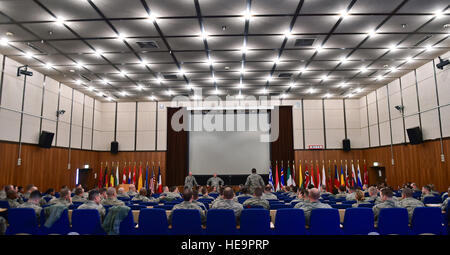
[
  {"x": 327, "y": 95},
  {"x": 60, "y": 21},
  {"x": 143, "y": 63},
  {"x": 242, "y": 70},
  {"x": 48, "y": 66},
  {"x": 264, "y": 91},
  {"x": 276, "y": 60},
  {"x": 151, "y": 17},
  {"x": 302, "y": 69},
  {"x": 204, "y": 35},
  {"x": 393, "y": 69},
  {"x": 428, "y": 47},
  {"x": 169, "y": 92},
  {"x": 4, "y": 41},
  {"x": 244, "y": 49},
  {"x": 343, "y": 85},
  {"x": 324, "y": 78},
  {"x": 79, "y": 65},
  {"x": 123, "y": 93},
  {"x": 121, "y": 37},
  {"x": 269, "y": 78},
  {"x": 100, "y": 94},
  {"x": 363, "y": 69},
  {"x": 247, "y": 15},
  {"x": 372, "y": 33},
  {"x": 319, "y": 49},
  {"x": 379, "y": 77},
  {"x": 29, "y": 55},
  {"x": 311, "y": 91},
  {"x": 152, "y": 97},
  {"x": 78, "y": 82},
  {"x": 291, "y": 84},
  {"x": 139, "y": 87},
  {"x": 105, "y": 82},
  {"x": 189, "y": 86},
  {"x": 287, "y": 34},
  {"x": 98, "y": 53},
  {"x": 343, "y": 60},
  {"x": 408, "y": 59},
  {"x": 123, "y": 73},
  {"x": 158, "y": 80},
  {"x": 438, "y": 14},
  {"x": 343, "y": 14},
  {"x": 181, "y": 71},
  {"x": 90, "y": 88},
  {"x": 392, "y": 47},
  {"x": 210, "y": 62}
]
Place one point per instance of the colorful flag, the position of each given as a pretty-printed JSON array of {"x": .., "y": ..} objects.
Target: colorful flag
[
  {"x": 282, "y": 176},
  {"x": 277, "y": 183},
  {"x": 300, "y": 177},
  {"x": 146, "y": 178},
  {"x": 124, "y": 174},
  {"x": 134, "y": 174},
  {"x": 336, "y": 176},
  {"x": 100, "y": 180},
  {"x": 139, "y": 186},
  {"x": 353, "y": 176},
  {"x": 152, "y": 181},
  {"x": 270, "y": 177},
  {"x": 129, "y": 173},
  {"x": 318, "y": 177},
  {"x": 324, "y": 177},
  {"x": 342, "y": 175},
  {"x": 359, "y": 177},
  {"x": 288, "y": 176},
  {"x": 111, "y": 177},
  {"x": 307, "y": 177},
  {"x": 366, "y": 175},
  {"x": 117, "y": 175},
  {"x": 311, "y": 175},
  {"x": 346, "y": 175},
  {"x": 106, "y": 180},
  {"x": 159, "y": 180},
  {"x": 293, "y": 173}
]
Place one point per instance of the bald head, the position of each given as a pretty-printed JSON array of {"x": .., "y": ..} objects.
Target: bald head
[
  {"x": 228, "y": 193},
  {"x": 314, "y": 194},
  {"x": 132, "y": 187},
  {"x": 111, "y": 192}
]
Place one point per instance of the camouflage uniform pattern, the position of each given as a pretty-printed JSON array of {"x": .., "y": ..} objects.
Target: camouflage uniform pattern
[
  {"x": 389, "y": 203},
  {"x": 207, "y": 196},
  {"x": 424, "y": 196},
  {"x": 77, "y": 198},
  {"x": 124, "y": 195},
  {"x": 215, "y": 182},
  {"x": 2, "y": 225},
  {"x": 351, "y": 196},
  {"x": 254, "y": 181},
  {"x": 93, "y": 205},
  {"x": 300, "y": 203},
  {"x": 113, "y": 201},
  {"x": 144, "y": 198},
  {"x": 2, "y": 195},
  {"x": 229, "y": 204},
  {"x": 169, "y": 196},
  {"x": 219, "y": 198},
  {"x": 131, "y": 193},
  {"x": 410, "y": 203},
  {"x": 188, "y": 205},
  {"x": 190, "y": 182},
  {"x": 60, "y": 200},
  {"x": 242, "y": 195},
  {"x": 308, "y": 207},
  {"x": 341, "y": 195},
  {"x": 257, "y": 201},
  {"x": 269, "y": 196},
  {"x": 360, "y": 203},
  {"x": 445, "y": 204},
  {"x": 13, "y": 203}
]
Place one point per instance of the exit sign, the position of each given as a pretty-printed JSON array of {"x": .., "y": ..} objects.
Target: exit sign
[{"x": 315, "y": 147}]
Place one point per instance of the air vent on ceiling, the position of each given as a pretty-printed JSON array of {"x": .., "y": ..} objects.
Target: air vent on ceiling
[
  {"x": 148, "y": 45},
  {"x": 285, "y": 75},
  {"x": 302, "y": 42},
  {"x": 170, "y": 76}
]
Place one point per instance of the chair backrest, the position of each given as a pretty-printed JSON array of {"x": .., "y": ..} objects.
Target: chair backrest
[
  {"x": 366, "y": 205},
  {"x": 186, "y": 222},
  {"x": 427, "y": 220},
  {"x": 61, "y": 226},
  {"x": 393, "y": 221},
  {"x": 350, "y": 202},
  {"x": 432, "y": 200},
  {"x": 153, "y": 222},
  {"x": 165, "y": 207},
  {"x": 148, "y": 203},
  {"x": 135, "y": 201},
  {"x": 205, "y": 200},
  {"x": 325, "y": 221},
  {"x": 279, "y": 206},
  {"x": 87, "y": 222},
  {"x": 358, "y": 221},
  {"x": 241, "y": 200},
  {"x": 22, "y": 220},
  {"x": 341, "y": 206},
  {"x": 4, "y": 204},
  {"x": 290, "y": 221},
  {"x": 255, "y": 222},
  {"x": 127, "y": 225},
  {"x": 221, "y": 222},
  {"x": 137, "y": 207},
  {"x": 214, "y": 195}
]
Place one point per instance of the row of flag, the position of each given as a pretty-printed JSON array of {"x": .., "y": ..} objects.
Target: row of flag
[
  {"x": 318, "y": 179},
  {"x": 111, "y": 178}
]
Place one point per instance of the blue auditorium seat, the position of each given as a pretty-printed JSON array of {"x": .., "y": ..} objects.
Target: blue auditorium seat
[
  {"x": 186, "y": 222},
  {"x": 432, "y": 200},
  {"x": 426, "y": 220},
  {"x": 153, "y": 222},
  {"x": 127, "y": 226},
  {"x": 241, "y": 200},
  {"x": 290, "y": 222},
  {"x": 61, "y": 226},
  {"x": 148, "y": 203},
  {"x": 325, "y": 221},
  {"x": 279, "y": 206},
  {"x": 87, "y": 222},
  {"x": 137, "y": 207},
  {"x": 221, "y": 222},
  {"x": 341, "y": 206},
  {"x": 4, "y": 204},
  {"x": 366, "y": 205},
  {"x": 165, "y": 207},
  {"x": 255, "y": 222},
  {"x": 393, "y": 221},
  {"x": 358, "y": 221},
  {"x": 22, "y": 220}
]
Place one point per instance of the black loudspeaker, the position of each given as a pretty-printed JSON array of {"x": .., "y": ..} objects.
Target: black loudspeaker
[
  {"x": 346, "y": 144},
  {"x": 415, "y": 135},
  {"x": 46, "y": 139},
  {"x": 114, "y": 147}
]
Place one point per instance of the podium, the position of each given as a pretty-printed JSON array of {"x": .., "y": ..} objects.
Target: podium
[{"x": 126, "y": 187}]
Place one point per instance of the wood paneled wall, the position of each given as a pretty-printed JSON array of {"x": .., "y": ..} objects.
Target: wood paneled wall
[
  {"x": 282, "y": 150},
  {"x": 416, "y": 163},
  {"x": 47, "y": 168}
]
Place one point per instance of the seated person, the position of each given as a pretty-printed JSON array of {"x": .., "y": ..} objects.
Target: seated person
[
  {"x": 409, "y": 202},
  {"x": 195, "y": 198},
  {"x": 446, "y": 201},
  {"x": 314, "y": 203},
  {"x": 301, "y": 199},
  {"x": 33, "y": 202},
  {"x": 121, "y": 193},
  {"x": 268, "y": 193},
  {"x": 188, "y": 204},
  {"x": 205, "y": 194},
  {"x": 64, "y": 198},
  {"x": 12, "y": 198},
  {"x": 386, "y": 202},
  {"x": 351, "y": 195},
  {"x": 112, "y": 198},
  {"x": 341, "y": 193},
  {"x": 373, "y": 195},
  {"x": 245, "y": 192},
  {"x": 131, "y": 190},
  {"x": 94, "y": 202},
  {"x": 142, "y": 196},
  {"x": 360, "y": 199},
  {"x": 227, "y": 202},
  {"x": 173, "y": 194},
  {"x": 257, "y": 200},
  {"x": 426, "y": 192},
  {"x": 79, "y": 197}
]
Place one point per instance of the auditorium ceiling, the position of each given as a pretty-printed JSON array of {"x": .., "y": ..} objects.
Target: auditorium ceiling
[{"x": 128, "y": 50}]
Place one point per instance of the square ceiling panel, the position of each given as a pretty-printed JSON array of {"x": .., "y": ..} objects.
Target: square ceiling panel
[
  {"x": 174, "y": 27},
  {"x": 261, "y": 55},
  {"x": 232, "y": 55},
  {"x": 171, "y": 8},
  {"x": 404, "y": 23},
  {"x": 18, "y": 32},
  {"x": 92, "y": 29},
  {"x": 228, "y": 7},
  {"x": 359, "y": 24},
  {"x": 383, "y": 41},
  {"x": 299, "y": 55},
  {"x": 121, "y": 58},
  {"x": 224, "y": 26},
  {"x": 135, "y": 28},
  {"x": 264, "y": 42},
  {"x": 314, "y": 24},
  {"x": 331, "y": 54},
  {"x": 225, "y": 43},
  {"x": 191, "y": 56},
  {"x": 120, "y": 8},
  {"x": 156, "y": 57},
  {"x": 109, "y": 45},
  {"x": 344, "y": 41},
  {"x": 378, "y": 6},
  {"x": 50, "y": 31},
  {"x": 24, "y": 11},
  {"x": 366, "y": 54},
  {"x": 419, "y": 6},
  {"x": 267, "y": 7},
  {"x": 71, "y": 9},
  {"x": 324, "y": 6},
  {"x": 186, "y": 43},
  {"x": 269, "y": 25},
  {"x": 72, "y": 46}
]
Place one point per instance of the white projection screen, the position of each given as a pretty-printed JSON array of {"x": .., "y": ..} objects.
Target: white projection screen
[{"x": 231, "y": 145}]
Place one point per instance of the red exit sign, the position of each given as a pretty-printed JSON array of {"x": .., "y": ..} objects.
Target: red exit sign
[{"x": 315, "y": 147}]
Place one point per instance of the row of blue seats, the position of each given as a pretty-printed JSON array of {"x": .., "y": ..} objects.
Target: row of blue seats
[{"x": 357, "y": 221}]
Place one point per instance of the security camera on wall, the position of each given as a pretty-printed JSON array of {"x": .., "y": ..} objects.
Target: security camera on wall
[
  {"x": 60, "y": 113},
  {"x": 442, "y": 63},
  {"x": 399, "y": 108}
]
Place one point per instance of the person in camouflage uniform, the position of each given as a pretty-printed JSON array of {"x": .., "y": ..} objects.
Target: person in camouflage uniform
[
  {"x": 33, "y": 202},
  {"x": 188, "y": 204},
  {"x": 446, "y": 201},
  {"x": 426, "y": 192},
  {"x": 257, "y": 200},
  {"x": 313, "y": 203},
  {"x": 12, "y": 198},
  {"x": 324, "y": 191},
  {"x": 173, "y": 194},
  {"x": 5, "y": 190},
  {"x": 351, "y": 195},
  {"x": 190, "y": 181},
  {"x": 142, "y": 196},
  {"x": 214, "y": 181},
  {"x": 195, "y": 198},
  {"x": 50, "y": 193},
  {"x": 409, "y": 202},
  {"x": 220, "y": 197},
  {"x": 94, "y": 203},
  {"x": 112, "y": 198},
  {"x": 254, "y": 180},
  {"x": 103, "y": 195},
  {"x": 433, "y": 190},
  {"x": 204, "y": 192},
  {"x": 29, "y": 188},
  {"x": 121, "y": 193},
  {"x": 373, "y": 197},
  {"x": 268, "y": 193},
  {"x": 244, "y": 193},
  {"x": 131, "y": 190},
  {"x": 64, "y": 198},
  {"x": 360, "y": 199},
  {"x": 227, "y": 202},
  {"x": 79, "y": 197},
  {"x": 301, "y": 199},
  {"x": 386, "y": 202},
  {"x": 341, "y": 193}
]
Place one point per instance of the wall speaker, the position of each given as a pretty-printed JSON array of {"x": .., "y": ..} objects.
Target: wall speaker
[
  {"x": 46, "y": 139},
  {"x": 415, "y": 135},
  {"x": 346, "y": 144},
  {"x": 114, "y": 147}
]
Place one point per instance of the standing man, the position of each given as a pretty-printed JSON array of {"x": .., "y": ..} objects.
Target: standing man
[
  {"x": 215, "y": 181},
  {"x": 190, "y": 182},
  {"x": 253, "y": 181}
]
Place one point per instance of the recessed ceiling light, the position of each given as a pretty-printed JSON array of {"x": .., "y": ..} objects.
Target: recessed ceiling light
[
  {"x": 189, "y": 86},
  {"x": 343, "y": 13},
  {"x": 269, "y": 78},
  {"x": 79, "y": 65},
  {"x": 408, "y": 59},
  {"x": 139, "y": 87},
  {"x": 372, "y": 33},
  {"x": 143, "y": 63},
  {"x": 158, "y": 80},
  {"x": 244, "y": 49},
  {"x": 151, "y": 17},
  {"x": 121, "y": 37},
  {"x": 216, "y": 91},
  {"x": 311, "y": 91},
  {"x": 100, "y": 94},
  {"x": 327, "y": 95},
  {"x": 291, "y": 84},
  {"x": 8, "y": 33},
  {"x": 29, "y": 55},
  {"x": 264, "y": 91},
  {"x": 302, "y": 69},
  {"x": 78, "y": 82},
  {"x": 379, "y": 77},
  {"x": 241, "y": 85},
  {"x": 169, "y": 92},
  {"x": 287, "y": 34},
  {"x": 72, "y": 71},
  {"x": 247, "y": 15},
  {"x": 109, "y": 98},
  {"x": 105, "y": 81},
  {"x": 276, "y": 60},
  {"x": 343, "y": 85},
  {"x": 284, "y": 95},
  {"x": 393, "y": 69},
  {"x": 123, "y": 93},
  {"x": 428, "y": 47},
  {"x": 210, "y": 61},
  {"x": 438, "y": 14},
  {"x": 242, "y": 70},
  {"x": 152, "y": 97},
  {"x": 324, "y": 78},
  {"x": 48, "y": 66},
  {"x": 123, "y": 73},
  {"x": 204, "y": 35},
  {"x": 358, "y": 90},
  {"x": 393, "y": 47},
  {"x": 60, "y": 21},
  {"x": 343, "y": 59},
  {"x": 90, "y": 88},
  {"x": 363, "y": 69},
  {"x": 181, "y": 71},
  {"x": 98, "y": 53},
  {"x": 319, "y": 48},
  {"x": 4, "y": 41}
]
